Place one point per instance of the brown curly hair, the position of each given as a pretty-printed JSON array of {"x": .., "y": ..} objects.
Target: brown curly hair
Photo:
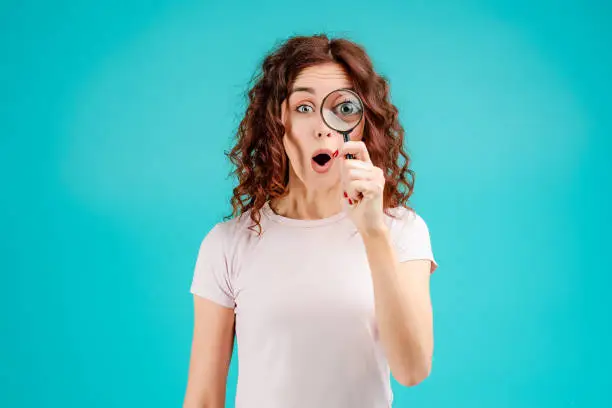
[{"x": 262, "y": 166}]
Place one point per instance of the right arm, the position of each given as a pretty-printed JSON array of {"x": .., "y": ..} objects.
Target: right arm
[{"x": 211, "y": 352}]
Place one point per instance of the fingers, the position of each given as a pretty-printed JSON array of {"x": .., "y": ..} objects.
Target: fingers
[
  {"x": 357, "y": 190},
  {"x": 360, "y": 178},
  {"x": 357, "y": 164},
  {"x": 357, "y": 149},
  {"x": 359, "y": 174}
]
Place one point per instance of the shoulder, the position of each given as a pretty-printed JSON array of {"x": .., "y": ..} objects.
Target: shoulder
[
  {"x": 410, "y": 235},
  {"x": 405, "y": 219},
  {"x": 229, "y": 233}
]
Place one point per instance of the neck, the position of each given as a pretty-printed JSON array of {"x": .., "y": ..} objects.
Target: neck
[{"x": 308, "y": 204}]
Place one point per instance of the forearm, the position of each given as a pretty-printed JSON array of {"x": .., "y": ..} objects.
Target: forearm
[
  {"x": 403, "y": 312},
  {"x": 201, "y": 393}
]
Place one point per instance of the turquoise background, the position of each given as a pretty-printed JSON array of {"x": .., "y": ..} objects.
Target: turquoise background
[{"x": 114, "y": 118}]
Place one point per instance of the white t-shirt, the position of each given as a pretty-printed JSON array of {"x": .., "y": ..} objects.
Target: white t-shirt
[{"x": 304, "y": 304}]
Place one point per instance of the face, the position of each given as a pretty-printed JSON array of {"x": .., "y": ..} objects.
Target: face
[{"x": 312, "y": 147}]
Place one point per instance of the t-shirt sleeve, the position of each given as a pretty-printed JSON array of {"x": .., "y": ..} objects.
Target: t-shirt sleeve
[
  {"x": 211, "y": 277},
  {"x": 413, "y": 241}
]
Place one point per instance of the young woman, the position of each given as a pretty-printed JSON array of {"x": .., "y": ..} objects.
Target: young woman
[{"x": 323, "y": 271}]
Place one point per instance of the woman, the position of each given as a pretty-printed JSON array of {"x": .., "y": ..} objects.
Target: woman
[{"x": 323, "y": 273}]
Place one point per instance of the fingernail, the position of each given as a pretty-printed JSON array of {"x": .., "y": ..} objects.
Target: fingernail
[
  {"x": 335, "y": 154},
  {"x": 350, "y": 201},
  {"x": 345, "y": 195}
]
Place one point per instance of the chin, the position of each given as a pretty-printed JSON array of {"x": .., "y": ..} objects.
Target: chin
[{"x": 326, "y": 180}]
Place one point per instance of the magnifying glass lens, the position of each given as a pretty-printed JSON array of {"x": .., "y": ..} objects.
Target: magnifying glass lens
[{"x": 342, "y": 110}]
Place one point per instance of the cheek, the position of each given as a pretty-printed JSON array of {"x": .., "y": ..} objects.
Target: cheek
[
  {"x": 295, "y": 146},
  {"x": 298, "y": 140},
  {"x": 357, "y": 134}
]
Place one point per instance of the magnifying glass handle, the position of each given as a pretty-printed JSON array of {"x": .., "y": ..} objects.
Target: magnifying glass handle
[{"x": 346, "y": 139}]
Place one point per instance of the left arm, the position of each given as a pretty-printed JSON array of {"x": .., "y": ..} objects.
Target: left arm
[
  {"x": 403, "y": 308},
  {"x": 401, "y": 289}
]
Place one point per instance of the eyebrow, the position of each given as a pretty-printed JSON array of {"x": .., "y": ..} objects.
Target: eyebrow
[
  {"x": 311, "y": 90},
  {"x": 302, "y": 89}
]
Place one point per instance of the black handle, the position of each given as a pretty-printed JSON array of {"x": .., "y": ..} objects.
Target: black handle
[{"x": 346, "y": 139}]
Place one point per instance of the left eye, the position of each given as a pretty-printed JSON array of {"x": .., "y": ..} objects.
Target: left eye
[
  {"x": 304, "y": 108},
  {"x": 346, "y": 108}
]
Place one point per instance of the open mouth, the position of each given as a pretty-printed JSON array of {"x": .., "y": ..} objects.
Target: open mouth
[{"x": 322, "y": 160}]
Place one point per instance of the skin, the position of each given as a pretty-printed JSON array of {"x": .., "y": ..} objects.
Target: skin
[
  {"x": 312, "y": 195},
  {"x": 211, "y": 352},
  {"x": 401, "y": 290}
]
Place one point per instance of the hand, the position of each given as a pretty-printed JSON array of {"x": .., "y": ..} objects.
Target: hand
[{"x": 363, "y": 185}]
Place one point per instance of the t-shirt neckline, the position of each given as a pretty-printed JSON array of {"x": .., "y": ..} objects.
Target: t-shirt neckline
[{"x": 294, "y": 222}]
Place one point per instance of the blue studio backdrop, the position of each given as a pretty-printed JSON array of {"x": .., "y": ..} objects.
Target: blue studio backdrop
[{"x": 114, "y": 119}]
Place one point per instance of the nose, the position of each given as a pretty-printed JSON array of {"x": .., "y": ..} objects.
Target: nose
[{"x": 322, "y": 130}]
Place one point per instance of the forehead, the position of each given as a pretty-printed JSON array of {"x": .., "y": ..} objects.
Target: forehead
[{"x": 323, "y": 78}]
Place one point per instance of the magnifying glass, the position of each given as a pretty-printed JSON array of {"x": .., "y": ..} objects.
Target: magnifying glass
[{"x": 342, "y": 111}]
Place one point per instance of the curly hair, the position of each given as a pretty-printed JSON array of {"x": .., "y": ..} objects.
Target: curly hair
[{"x": 262, "y": 166}]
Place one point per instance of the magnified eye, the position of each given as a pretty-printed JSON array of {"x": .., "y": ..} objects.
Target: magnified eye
[
  {"x": 304, "y": 109},
  {"x": 346, "y": 108}
]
